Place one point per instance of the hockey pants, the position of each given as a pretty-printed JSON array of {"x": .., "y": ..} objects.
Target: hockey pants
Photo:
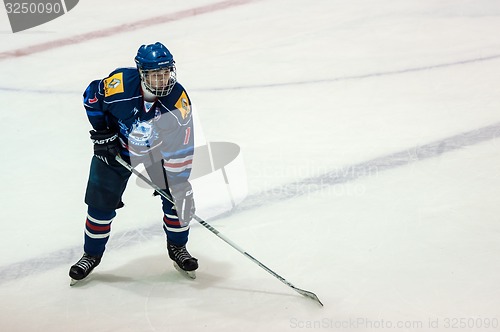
[{"x": 103, "y": 196}]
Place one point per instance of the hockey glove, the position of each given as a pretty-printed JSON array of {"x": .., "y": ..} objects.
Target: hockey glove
[
  {"x": 106, "y": 146},
  {"x": 184, "y": 201}
]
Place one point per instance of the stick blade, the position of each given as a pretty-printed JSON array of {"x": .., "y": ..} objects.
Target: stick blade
[{"x": 308, "y": 294}]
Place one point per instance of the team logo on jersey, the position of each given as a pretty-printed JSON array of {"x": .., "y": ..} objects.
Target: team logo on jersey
[
  {"x": 183, "y": 105},
  {"x": 113, "y": 84},
  {"x": 142, "y": 133}
]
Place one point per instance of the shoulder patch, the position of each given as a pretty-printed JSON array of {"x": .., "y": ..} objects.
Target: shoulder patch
[
  {"x": 183, "y": 105},
  {"x": 113, "y": 85}
]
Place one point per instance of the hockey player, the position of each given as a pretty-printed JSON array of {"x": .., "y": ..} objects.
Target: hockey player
[{"x": 143, "y": 115}]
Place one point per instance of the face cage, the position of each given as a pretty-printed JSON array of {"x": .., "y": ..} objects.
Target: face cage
[{"x": 149, "y": 77}]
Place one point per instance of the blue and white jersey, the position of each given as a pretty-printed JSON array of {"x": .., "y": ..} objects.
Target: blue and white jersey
[{"x": 148, "y": 131}]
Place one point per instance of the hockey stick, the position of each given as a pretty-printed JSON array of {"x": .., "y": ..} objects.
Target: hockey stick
[{"x": 160, "y": 191}]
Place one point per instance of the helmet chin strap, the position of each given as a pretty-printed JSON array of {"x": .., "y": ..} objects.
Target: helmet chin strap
[{"x": 148, "y": 95}]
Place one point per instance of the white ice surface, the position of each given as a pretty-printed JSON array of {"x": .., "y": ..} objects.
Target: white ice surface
[{"x": 374, "y": 93}]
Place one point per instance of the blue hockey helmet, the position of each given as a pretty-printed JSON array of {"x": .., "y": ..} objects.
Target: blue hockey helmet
[{"x": 156, "y": 66}]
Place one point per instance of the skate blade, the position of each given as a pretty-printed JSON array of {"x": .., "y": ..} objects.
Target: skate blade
[
  {"x": 189, "y": 274},
  {"x": 74, "y": 282}
]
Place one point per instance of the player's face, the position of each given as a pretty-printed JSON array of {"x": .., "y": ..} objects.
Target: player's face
[{"x": 157, "y": 79}]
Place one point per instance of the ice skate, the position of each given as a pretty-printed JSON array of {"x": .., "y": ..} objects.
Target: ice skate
[
  {"x": 83, "y": 267},
  {"x": 183, "y": 261}
]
